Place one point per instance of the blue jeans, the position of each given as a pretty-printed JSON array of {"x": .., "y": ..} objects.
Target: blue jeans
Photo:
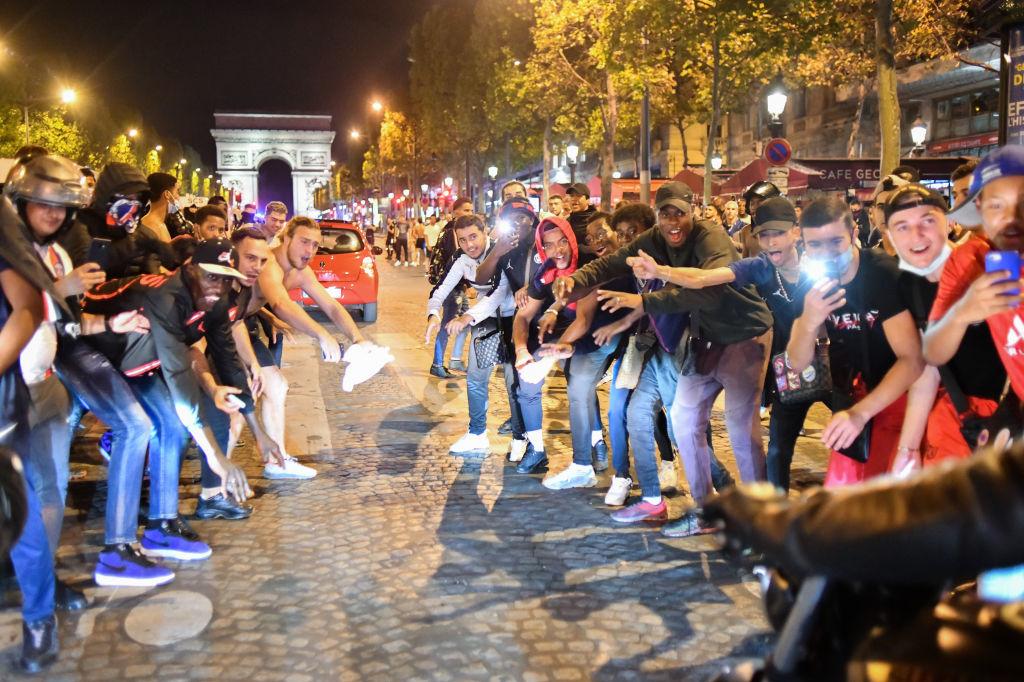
[
  {"x": 31, "y": 555},
  {"x": 511, "y": 381},
  {"x": 740, "y": 373},
  {"x": 49, "y": 447},
  {"x": 103, "y": 390},
  {"x": 477, "y": 389},
  {"x": 166, "y": 447},
  {"x": 448, "y": 311},
  {"x": 459, "y": 345},
  {"x": 584, "y": 373},
  {"x": 656, "y": 388},
  {"x": 220, "y": 423}
]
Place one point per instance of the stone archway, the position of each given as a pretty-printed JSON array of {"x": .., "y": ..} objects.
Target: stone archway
[
  {"x": 246, "y": 140},
  {"x": 274, "y": 183}
]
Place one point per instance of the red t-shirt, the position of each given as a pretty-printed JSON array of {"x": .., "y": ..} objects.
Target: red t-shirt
[{"x": 965, "y": 265}]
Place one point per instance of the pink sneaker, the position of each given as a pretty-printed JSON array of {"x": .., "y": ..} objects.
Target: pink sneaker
[{"x": 642, "y": 511}]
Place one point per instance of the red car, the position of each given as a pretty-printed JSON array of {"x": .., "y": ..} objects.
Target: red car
[{"x": 345, "y": 265}]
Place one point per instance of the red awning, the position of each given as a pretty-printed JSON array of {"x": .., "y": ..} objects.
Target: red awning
[
  {"x": 758, "y": 170},
  {"x": 555, "y": 188},
  {"x": 694, "y": 179}
]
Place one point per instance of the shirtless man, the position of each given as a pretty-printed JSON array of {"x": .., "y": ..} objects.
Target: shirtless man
[{"x": 286, "y": 270}]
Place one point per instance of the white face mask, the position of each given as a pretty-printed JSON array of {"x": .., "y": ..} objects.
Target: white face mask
[{"x": 933, "y": 267}]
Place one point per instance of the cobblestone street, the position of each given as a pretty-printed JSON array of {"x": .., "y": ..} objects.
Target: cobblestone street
[{"x": 400, "y": 561}]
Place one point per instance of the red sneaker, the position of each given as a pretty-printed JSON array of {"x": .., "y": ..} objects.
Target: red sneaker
[{"x": 642, "y": 511}]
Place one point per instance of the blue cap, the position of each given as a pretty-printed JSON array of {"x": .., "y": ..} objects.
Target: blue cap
[{"x": 1004, "y": 162}]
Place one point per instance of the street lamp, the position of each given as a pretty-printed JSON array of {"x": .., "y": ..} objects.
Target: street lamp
[
  {"x": 159, "y": 148},
  {"x": 354, "y": 134},
  {"x": 377, "y": 106},
  {"x": 775, "y": 103},
  {"x": 449, "y": 181},
  {"x": 492, "y": 172},
  {"x": 183, "y": 162},
  {"x": 716, "y": 160},
  {"x": 68, "y": 96},
  {"x": 616, "y": 174},
  {"x": 572, "y": 153},
  {"x": 918, "y": 134},
  {"x": 133, "y": 132}
]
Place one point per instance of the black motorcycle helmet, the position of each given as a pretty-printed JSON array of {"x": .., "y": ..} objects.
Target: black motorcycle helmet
[
  {"x": 13, "y": 500},
  {"x": 50, "y": 180},
  {"x": 759, "y": 191}
]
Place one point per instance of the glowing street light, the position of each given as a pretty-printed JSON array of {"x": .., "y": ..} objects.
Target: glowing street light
[
  {"x": 159, "y": 148},
  {"x": 68, "y": 96},
  {"x": 183, "y": 162},
  {"x": 405, "y": 192},
  {"x": 716, "y": 161},
  {"x": 354, "y": 134},
  {"x": 424, "y": 188},
  {"x": 918, "y": 131},
  {"x": 449, "y": 181},
  {"x": 133, "y": 132},
  {"x": 572, "y": 154},
  {"x": 492, "y": 172},
  {"x": 377, "y": 106}
]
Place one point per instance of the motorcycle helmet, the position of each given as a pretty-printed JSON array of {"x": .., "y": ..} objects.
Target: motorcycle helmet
[
  {"x": 49, "y": 180},
  {"x": 759, "y": 191},
  {"x": 13, "y": 499}
]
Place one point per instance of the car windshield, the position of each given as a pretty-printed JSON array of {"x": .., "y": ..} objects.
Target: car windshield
[{"x": 340, "y": 241}]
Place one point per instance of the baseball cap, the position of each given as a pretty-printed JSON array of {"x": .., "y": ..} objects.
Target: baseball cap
[
  {"x": 910, "y": 196},
  {"x": 676, "y": 194},
  {"x": 1004, "y": 162},
  {"x": 888, "y": 184},
  {"x": 775, "y": 213},
  {"x": 215, "y": 256},
  {"x": 517, "y": 204},
  {"x": 580, "y": 189}
]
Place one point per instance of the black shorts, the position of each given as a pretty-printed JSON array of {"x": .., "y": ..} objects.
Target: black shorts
[
  {"x": 264, "y": 355},
  {"x": 421, "y": 243}
]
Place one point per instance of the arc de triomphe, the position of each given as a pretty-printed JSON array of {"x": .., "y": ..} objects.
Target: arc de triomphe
[{"x": 247, "y": 140}]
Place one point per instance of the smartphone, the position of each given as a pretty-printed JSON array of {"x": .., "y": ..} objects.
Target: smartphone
[
  {"x": 236, "y": 401},
  {"x": 998, "y": 261},
  {"x": 99, "y": 253}
]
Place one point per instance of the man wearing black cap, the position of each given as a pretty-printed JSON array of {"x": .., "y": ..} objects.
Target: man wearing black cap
[
  {"x": 775, "y": 273},
  {"x": 580, "y": 210},
  {"x": 158, "y": 367},
  {"x": 731, "y": 327}
]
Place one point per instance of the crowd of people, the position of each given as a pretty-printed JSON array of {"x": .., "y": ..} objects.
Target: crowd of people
[
  {"x": 901, "y": 317},
  {"x": 165, "y": 324}
]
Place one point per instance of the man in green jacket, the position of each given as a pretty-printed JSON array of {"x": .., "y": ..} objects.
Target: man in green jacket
[{"x": 730, "y": 336}]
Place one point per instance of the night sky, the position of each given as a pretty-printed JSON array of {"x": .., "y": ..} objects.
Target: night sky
[{"x": 174, "y": 63}]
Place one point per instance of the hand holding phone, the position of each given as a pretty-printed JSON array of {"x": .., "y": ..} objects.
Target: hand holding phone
[
  {"x": 99, "y": 253},
  {"x": 1005, "y": 261}
]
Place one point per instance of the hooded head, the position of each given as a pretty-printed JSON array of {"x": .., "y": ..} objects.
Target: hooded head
[
  {"x": 556, "y": 241},
  {"x": 120, "y": 196}
]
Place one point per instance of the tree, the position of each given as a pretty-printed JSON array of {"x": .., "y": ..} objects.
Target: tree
[
  {"x": 50, "y": 128},
  {"x": 863, "y": 42}
]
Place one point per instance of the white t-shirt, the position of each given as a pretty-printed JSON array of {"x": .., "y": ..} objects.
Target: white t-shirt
[{"x": 37, "y": 357}]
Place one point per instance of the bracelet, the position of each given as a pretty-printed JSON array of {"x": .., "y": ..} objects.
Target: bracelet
[{"x": 549, "y": 310}]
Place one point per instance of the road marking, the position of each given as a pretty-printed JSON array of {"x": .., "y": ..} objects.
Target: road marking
[{"x": 306, "y": 431}]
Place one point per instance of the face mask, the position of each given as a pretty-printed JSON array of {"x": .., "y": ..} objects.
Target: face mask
[
  {"x": 933, "y": 267},
  {"x": 173, "y": 207},
  {"x": 124, "y": 214}
]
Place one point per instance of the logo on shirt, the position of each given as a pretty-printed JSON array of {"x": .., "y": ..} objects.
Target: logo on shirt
[
  {"x": 852, "y": 321},
  {"x": 1014, "y": 337}
]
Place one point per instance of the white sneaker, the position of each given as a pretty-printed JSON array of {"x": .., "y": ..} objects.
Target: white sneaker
[
  {"x": 406, "y": 263},
  {"x": 291, "y": 469},
  {"x": 516, "y": 450},
  {"x": 668, "y": 477},
  {"x": 471, "y": 443},
  {"x": 574, "y": 476},
  {"x": 618, "y": 492},
  {"x": 398, "y": 263}
]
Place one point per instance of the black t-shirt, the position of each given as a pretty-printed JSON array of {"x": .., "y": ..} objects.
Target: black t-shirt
[
  {"x": 858, "y": 343},
  {"x": 976, "y": 366}
]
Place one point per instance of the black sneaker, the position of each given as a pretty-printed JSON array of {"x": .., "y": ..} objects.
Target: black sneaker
[
  {"x": 441, "y": 372},
  {"x": 505, "y": 428},
  {"x": 67, "y": 598},
  {"x": 220, "y": 507},
  {"x": 39, "y": 645},
  {"x": 599, "y": 454},
  {"x": 687, "y": 525},
  {"x": 533, "y": 462}
]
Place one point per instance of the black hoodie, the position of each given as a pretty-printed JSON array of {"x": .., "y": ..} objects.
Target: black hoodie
[{"x": 128, "y": 253}]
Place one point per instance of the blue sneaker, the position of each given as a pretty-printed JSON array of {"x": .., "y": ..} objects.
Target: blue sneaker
[
  {"x": 173, "y": 539},
  {"x": 124, "y": 566},
  {"x": 106, "y": 444}
]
